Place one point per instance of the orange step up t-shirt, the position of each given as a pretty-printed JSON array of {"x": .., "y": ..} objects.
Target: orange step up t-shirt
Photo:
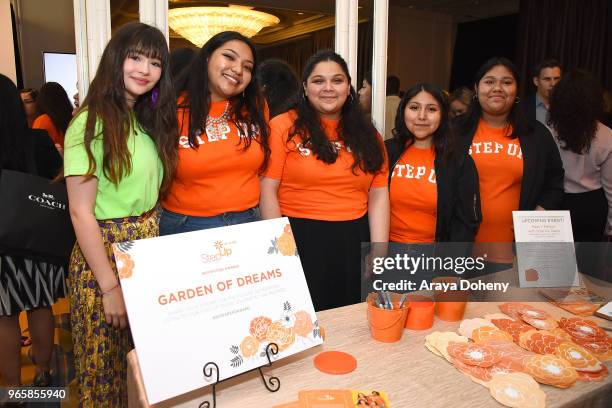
[
  {"x": 311, "y": 188},
  {"x": 414, "y": 197},
  {"x": 44, "y": 122},
  {"x": 220, "y": 175},
  {"x": 499, "y": 161}
]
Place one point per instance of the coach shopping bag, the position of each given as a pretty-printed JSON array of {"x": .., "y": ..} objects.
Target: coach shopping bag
[{"x": 34, "y": 217}]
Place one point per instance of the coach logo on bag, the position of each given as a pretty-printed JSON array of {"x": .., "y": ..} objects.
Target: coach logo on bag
[{"x": 48, "y": 201}]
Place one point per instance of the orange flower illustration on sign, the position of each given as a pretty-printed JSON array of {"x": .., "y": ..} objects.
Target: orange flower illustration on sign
[
  {"x": 249, "y": 346},
  {"x": 259, "y": 327},
  {"x": 285, "y": 244},
  {"x": 281, "y": 335},
  {"x": 303, "y": 324},
  {"x": 125, "y": 265}
]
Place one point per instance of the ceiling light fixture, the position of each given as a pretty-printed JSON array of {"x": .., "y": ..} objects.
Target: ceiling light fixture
[{"x": 199, "y": 24}]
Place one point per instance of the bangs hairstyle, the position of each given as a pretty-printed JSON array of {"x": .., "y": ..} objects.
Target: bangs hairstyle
[
  {"x": 576, "y": 104},
  {"x": 358, "y": 134},
  {"x": 516, "y": 117},
  {"x": 442, "y": 137},
  {"x": 246, "y": 109},
  {"x": 106, "y": 102}
]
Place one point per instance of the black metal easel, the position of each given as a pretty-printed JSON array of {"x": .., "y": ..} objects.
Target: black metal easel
[{"x": 211, "y": 368}]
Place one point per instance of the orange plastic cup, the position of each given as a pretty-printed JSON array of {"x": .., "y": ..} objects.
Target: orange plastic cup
[
  {"x": 421, "y": 313},
  {"x": 387, "y": 325},
  {"x": 450, "y": 305}
]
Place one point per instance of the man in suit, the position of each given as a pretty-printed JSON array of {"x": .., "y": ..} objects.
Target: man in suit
[{"x": 546, "y": 74}]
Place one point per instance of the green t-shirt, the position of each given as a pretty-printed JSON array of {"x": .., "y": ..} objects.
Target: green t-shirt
[{"x": 137, "y": 192}]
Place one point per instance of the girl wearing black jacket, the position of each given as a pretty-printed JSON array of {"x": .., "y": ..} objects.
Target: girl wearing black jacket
[
  {"x": 433, "y": 189},
  {"x": 518, "y": 162}
]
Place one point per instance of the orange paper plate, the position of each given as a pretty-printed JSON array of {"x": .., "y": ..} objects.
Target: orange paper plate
[{"x": 335, "y": 362}]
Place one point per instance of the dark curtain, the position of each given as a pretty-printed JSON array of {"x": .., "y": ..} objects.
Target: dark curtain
[
  {"x": 576, "y": 32},
  {"x": 365, "y": 50},
  {"x": 297, "y": 50},
  {"x": 477, "y": 41},
  {"x": 19, "y": 75}
]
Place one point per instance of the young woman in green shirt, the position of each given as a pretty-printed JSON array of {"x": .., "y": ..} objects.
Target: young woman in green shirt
[{"x": 120, "y": 152}]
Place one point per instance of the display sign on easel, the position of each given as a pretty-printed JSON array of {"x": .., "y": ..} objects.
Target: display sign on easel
[
  {"x": 545, "y": 251},
  {"x": 220, "y": 295}
]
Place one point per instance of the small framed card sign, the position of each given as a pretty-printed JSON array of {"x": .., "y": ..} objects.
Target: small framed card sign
[
  {"x": 219, "y": 295},
  {"x": 545, "y": 249}
]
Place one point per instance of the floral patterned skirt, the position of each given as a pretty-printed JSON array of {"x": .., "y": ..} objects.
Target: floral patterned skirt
[{"x": 100, "y": 349}]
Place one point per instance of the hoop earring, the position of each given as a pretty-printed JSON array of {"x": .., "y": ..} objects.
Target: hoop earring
[
  {"x": 351, "y": 98},
  {"x": 517, "y": 100}
]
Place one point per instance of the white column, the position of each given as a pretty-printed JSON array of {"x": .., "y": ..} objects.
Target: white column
[
  {"x": 155, "y": 13},
  {"x": 379, "y": 64},
  {"x": 353, "y": 27},
  {"x": 92, "y": 30},
  {"x": 342, "y": 28}
]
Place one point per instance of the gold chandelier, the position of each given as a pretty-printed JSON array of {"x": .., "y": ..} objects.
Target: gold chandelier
[{"x": 199, "y": 24}]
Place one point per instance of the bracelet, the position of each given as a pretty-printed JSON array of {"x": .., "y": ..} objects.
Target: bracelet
[{"x": 106, "y": 292}]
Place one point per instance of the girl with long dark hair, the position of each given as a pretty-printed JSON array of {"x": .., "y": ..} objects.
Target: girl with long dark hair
[
  {"x": 55, "y": 112},
  {"x": 26, "y": 284},
  {"x": 518, "y": 164},
  {"x": 585, "y": 145},
  {"x": 120, "y": 155},
  {"x": 328, "y": 174},
  {"x": 433, "y": 189},
  {"x": 223, "y": 142}
]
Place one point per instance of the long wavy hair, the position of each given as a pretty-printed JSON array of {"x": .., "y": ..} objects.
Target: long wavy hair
[
  {"x": 53, "y": 101},
  {"x": 358, "y": 134},
  {"x": 516, "y": 118},
  {"x": 442, "y": 137},
  {"x": 13, "y": 126},
  {"x": 576, "y": 104},
  {"x": 154, "y": 112},
  {"x": 247, "y": 109}
]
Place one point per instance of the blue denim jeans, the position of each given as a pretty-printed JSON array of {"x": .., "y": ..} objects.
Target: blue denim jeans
[{"x": 173, "y": 223}]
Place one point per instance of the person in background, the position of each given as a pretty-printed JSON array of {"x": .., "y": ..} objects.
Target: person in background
[
  {"x": 55, "y": 112},
  {"x": 28, "y": 97},
  {"x": 391, "y": 103},
  {"x": 459, "y": 101},
  {"x": 606, "y": 116},
  {"x": 119, "y": 158},
  {"x": 279, "y": 85},
  {"x": 223, "y": 142},
  {"x": 328, "y": 174},
  {"x": 180, "y": 59},
  {"x": 30, "y": 285},
  {"x": 585, "y": 145},
  {"x": 365, "y": 94},
  {"x": 433, "y": 189},
  {"x": 518, "y": 163},
  {"x": 546, "y": 74}
]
